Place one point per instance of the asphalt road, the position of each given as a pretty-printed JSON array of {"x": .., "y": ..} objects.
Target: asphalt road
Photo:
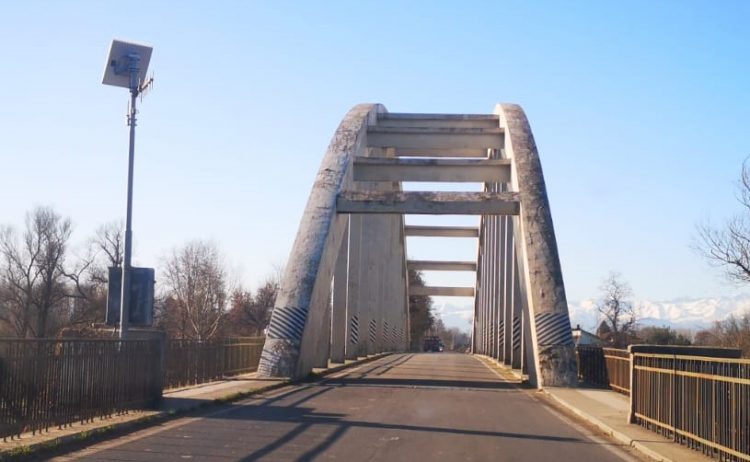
[{"x": 410, "y": 407}]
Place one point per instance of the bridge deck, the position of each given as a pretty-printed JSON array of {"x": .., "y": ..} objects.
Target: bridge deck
[{"x": 430, "y": 407}]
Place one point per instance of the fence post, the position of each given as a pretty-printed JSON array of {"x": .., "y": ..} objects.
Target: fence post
[
  {"x": 674, "y": 397},
  {"x": 633, "y": 388},
  {"x": 161, "y": 377}
]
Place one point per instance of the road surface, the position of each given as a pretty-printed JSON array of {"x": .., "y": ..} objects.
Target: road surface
[{"x": 413, "y": 407}]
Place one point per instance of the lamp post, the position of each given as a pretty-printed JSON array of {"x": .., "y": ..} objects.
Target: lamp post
[{"x": 126, "y": 66}]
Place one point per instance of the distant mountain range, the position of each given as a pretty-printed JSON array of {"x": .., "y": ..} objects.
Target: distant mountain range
[{"x": 684, "y": 313}]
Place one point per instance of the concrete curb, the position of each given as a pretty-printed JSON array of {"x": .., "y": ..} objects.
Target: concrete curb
[
  {"x": 27, "y": 451},
  {"x": 619, "y": 436}
]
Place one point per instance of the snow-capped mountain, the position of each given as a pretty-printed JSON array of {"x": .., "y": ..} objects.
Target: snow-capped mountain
[{"x": 682, "y": 313}]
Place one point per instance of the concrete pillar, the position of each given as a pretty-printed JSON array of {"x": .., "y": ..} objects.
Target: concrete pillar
[
  {"x": 540, "y": 274},
  {"x": 485, "y": 303},
  {"x": 299, "y": 312},
  {"x": 338, "y": 309},
  {"x": 370, "y": 287},
  {"x": 494, "y": 288},
  {"x": 479, "y": 300},
  {"x": 353, "y": 327},
  {"x": 515, "y": 304},
  {"x": 323, "y": 348},
  {"x": 507, "y": 293},
  {"x": 491, "y": 321}
]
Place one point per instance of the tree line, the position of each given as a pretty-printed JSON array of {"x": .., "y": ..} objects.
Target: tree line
[
  {"x": 49, "y": 289},
  {"x": 619, "y": 324}
]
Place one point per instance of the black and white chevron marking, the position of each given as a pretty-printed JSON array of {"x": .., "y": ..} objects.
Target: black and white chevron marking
[
  {"x": 501, "y": 331},
  {"x": 373, "y": 330},
  {"x": 354, "y": 330},
  {"x": 516, "y": 333},
  {"x": 287, "y": 323},
  {"x": 553, "y": 329}
]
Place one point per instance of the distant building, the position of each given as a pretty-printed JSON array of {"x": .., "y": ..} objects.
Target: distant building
[{"x": 582, "y": 337}]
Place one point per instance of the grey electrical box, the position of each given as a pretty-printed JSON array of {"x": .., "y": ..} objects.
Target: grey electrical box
[{"x": 142, "y": 282}]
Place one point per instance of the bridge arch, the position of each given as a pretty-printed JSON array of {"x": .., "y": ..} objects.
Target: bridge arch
[{"x": 345, "y": 291}]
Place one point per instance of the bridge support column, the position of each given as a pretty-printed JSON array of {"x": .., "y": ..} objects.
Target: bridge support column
[
  {"x": 338, "y": 308},
  {"x": 506, "y": 255},
  {"x": 540, "y": 275},
  {"x": 517, "y": 308},
  {"x": 354, "y": 326},
  {"x": 496, "y": 288}
]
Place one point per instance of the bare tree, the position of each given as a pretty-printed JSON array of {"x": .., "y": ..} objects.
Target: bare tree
[
  {"x": 616, "y": 310},
  {"x": 729, "y": 246},
  {"x": 421, "y": 315},
  {"x": 196, "y": 296},
  {"x": 31, "y": 273},
  {"x": 250, "y": 314},
  {"x": 733, "y": 332},
  {"x": 89, "y": 276}
]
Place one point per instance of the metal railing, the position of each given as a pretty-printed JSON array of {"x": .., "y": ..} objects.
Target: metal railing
[
  {"x": 604, "y": 367},
  {"x": 618, "y": 369},
  {"x": 190, "y": 362},
  {"x": 592, "y": 368},
  {"x": 701, "y": 402},
  {"x": 48, "y": 383}
]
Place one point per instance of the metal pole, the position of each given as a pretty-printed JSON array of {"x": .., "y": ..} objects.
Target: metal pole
[{"x": 125, "y": 287}]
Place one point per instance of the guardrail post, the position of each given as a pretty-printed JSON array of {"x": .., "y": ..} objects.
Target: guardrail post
[
  {"x": 633, "y": 388},
  {"x": 162, "y": 371},
  {"x": 674, "y": 397}
]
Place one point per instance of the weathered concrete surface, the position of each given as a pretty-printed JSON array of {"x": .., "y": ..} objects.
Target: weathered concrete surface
[
  {"x": 298, "y": 315},
  {"x": 400, "y": 119},
  {"x": 441, "y": 231},
  {"x": 540, "y": 273},
  {"x": 429, "y": 203},
  {"x": 435, "y": 138},
  {"x": 338, "y": 304},
  {"x": 435, "y": 265},
  {"x": 431, "y": 170},
  {"x": 440, "y": 291},
  {"x": 432, "y": 407}
]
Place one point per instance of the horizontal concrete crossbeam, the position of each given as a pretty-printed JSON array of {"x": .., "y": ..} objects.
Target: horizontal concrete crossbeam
[
  {"x": 433, "y": 170},
  {"x": 437, "y": 152},
  {"x": 433, "y": 138},
  {"x": 441, "y": 231},
  {"x": 393, "y": 119},
  {"x": 437, "y": 291},
  {"x": 435, "y": 265},
  {"x": 429, "y": 203}
]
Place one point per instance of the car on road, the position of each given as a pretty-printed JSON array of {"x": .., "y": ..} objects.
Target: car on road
[{"x": 432, "y": 343}]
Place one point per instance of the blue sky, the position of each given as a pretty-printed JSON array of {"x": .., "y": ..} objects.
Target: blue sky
[{"x": 639, "y": 110}]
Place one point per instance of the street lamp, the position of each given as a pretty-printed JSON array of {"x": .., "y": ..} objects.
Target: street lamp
[{"x": 126, "y": 67}]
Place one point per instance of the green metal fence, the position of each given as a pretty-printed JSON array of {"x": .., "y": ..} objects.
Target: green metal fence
[
  {"x": 701, "y": 402},
  {"x": 53, "y": 383},
  {"x": 190, "y": 362},
  {"x": 618, "y": 369}
]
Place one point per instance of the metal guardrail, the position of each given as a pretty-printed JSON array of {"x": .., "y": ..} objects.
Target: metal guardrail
[
  {"x": 604, "y": 367},
  {"x": 618, "y": 369},
  {"x": 592, "y": 367},
  {"x": 48, "y": 383},
  {"x": 191, "y": 362},
  {"x": 701, "y": 402}
]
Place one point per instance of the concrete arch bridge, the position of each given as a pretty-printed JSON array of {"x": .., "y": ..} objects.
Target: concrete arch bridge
[{"x": 345, "y": 290}]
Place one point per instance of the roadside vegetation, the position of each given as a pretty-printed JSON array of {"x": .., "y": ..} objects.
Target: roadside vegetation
[{"x": 49, "y": 288}]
